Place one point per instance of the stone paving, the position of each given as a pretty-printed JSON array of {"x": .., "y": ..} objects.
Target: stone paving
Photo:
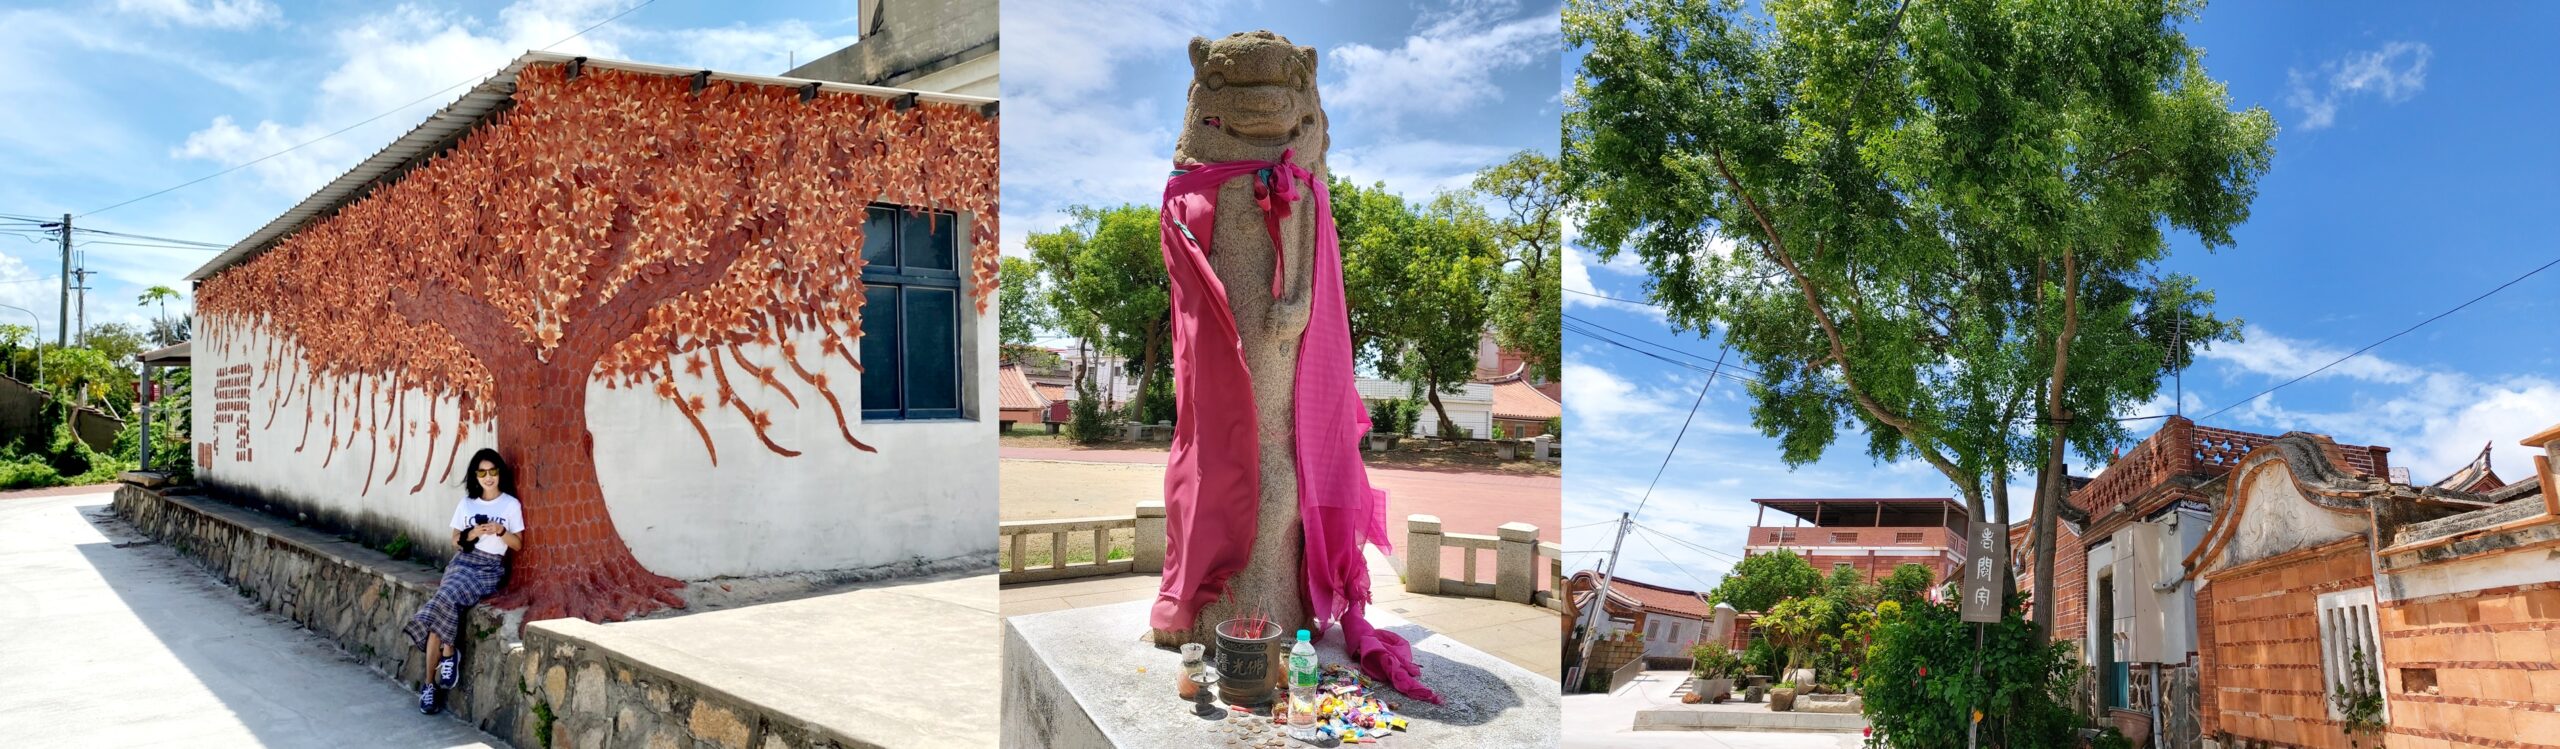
[
  {"x": 1608, "y": 720},
  {"x": 1527, "y": 636}
]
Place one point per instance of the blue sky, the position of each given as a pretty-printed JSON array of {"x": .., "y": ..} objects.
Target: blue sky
[
  {"x": 113, "y": 99},
  {"x": 1420, "y": 95},
  {"x": 2414, "y": 169}
]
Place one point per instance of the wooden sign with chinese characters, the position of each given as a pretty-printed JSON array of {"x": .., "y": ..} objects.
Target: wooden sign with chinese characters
[{"x": 1986, "y": 563}]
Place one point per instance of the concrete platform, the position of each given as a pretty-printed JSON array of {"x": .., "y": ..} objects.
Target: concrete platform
[
  {"x": 901, "y": 663},
  {"x": 1742, "y": 716},
  {"x": 1086, "y": 677}
]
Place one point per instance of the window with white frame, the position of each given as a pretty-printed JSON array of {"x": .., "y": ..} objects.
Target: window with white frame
[{"x": 2350, "y": 646}]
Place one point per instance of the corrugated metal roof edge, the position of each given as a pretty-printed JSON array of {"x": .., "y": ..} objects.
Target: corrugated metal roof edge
[{"x": 474, "y": 106}]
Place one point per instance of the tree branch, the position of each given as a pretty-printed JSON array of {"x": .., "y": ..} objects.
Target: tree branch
[{"x": 1777, "y": 248}]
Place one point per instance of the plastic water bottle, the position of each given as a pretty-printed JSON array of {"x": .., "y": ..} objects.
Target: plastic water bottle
[{"x": 1302, "y": 688}]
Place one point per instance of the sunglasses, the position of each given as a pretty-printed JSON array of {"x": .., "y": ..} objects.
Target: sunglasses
[{"x": 486, "y": 472}]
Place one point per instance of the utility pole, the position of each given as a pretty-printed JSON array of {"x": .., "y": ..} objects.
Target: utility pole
[
  {"x": 62, "y": 328},
  {"x": 1599, "y": 599},
  {"x": 80, "y": 305}
]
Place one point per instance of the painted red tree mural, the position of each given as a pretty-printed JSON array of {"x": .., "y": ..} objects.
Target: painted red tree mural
[{"x": 615, "y": 228}]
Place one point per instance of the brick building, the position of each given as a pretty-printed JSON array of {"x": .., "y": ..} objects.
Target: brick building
[
  {"x": 1668, "y": 621},
  {"x": 2122, "y": 595},
  {"x": 1873, "y": 535},
  {"x": 2316, "y": 574}
]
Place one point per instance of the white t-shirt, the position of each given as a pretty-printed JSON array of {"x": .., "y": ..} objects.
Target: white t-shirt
[{"x": 504, "y": 509}]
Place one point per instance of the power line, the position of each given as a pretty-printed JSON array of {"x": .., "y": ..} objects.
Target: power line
[
  {"x": 1611, "y": 298},
  {"x": 1676, "y": 540},
  {"x": 2385, "y": 339},
  {"x": 1675, "y": 445},
  {"x": 359, "y": 123},
  {"x": 1666, "y": 559},
  {"x": 171, "y": 240},
  {"x": 161, "y": 246}
]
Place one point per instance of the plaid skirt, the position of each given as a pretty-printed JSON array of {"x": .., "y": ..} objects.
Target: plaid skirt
[{"x": 472, "y": 576}]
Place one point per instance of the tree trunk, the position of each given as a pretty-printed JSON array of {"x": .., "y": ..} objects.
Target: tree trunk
[
  {"x": 573, "y": 562},
  {"x": 1147, "y": 362},
  {"x": 1447, "y": 427},
  {"x": 2055, "y": 483}
]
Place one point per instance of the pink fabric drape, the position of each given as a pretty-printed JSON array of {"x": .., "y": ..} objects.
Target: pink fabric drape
[{"x": 1213, "y": 483}]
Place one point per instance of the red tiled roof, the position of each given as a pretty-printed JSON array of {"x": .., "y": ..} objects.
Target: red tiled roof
[
  {"x": 1014, "y": 390},
  {"x": 1049, "y": 391},
  {"x": 1516, "y": 399},
  {"x": 1674, "y": 601}
]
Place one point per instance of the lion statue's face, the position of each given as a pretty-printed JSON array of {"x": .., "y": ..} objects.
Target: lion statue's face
[{"x": 1253, "y": 96}]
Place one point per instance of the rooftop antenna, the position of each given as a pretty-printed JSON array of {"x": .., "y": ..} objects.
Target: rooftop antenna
[{"x": 2176, "y": 360}]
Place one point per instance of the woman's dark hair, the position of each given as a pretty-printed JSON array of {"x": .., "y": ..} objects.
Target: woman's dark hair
[{"x": 471, "y": 474}]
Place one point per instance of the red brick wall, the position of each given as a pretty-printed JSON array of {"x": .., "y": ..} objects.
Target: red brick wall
[
  {"x": 1876, "y": 567},
  {"x": 2070, "y": 577},
  {"x": 2491, "y": 654},
  {"x": 2261, "y": 676}
]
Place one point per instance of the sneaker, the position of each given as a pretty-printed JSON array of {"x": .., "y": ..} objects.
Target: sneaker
[
  {"x": 449, "y": 671},
  {"x": 429, "y": 700}
]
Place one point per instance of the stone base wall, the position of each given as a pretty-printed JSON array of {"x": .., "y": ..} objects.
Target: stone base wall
[{"x": 545, "y": 684}]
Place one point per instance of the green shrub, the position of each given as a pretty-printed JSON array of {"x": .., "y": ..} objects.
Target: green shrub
[
  {"x": 1713, "y": 661},
  {"x": 1762, "y": 657},
  {"x": 1925, "y": 676},
  {"x": 1086, "y": 423},
  {"x": 2108, "y": 738}
]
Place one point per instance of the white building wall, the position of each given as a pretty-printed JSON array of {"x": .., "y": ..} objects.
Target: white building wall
[
  {"x": 929, "y": 493},
  {"x": 1669, "y": 636}
]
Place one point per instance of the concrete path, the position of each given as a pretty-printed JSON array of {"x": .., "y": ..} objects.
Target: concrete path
[
  {"x": 107, "y": 645},
  {"x": 1608, "y": 720},
  {"x": 908, "y": 662},
  {"x": 1528, "y": 636}
]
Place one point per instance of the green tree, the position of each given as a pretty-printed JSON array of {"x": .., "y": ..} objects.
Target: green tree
[
  {"x": 1107, "y": 286},
  {"x": 1763, "y": 580},
  {"x": 82, "y": 376},
  {"x": 14, "y": 341},
  {"x": 1908, "y": 584},
  {"x": 1940, "y": 223},
  {"x": 160, "y": 296},
  {"x": 1021, "y": 309},
  {"x": 1419, "y": 282},
  {"x": 1528, "y": 313},
  {"x": 1796, "y": 626}
]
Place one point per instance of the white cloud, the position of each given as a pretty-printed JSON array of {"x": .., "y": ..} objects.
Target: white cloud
[
  {"x": 1079, "y": 45},
  {"x": 220, "y": 14},
  {"x": 1066, "y": 141},
  {"x": 2261, "y": 351},
  {"x": 1609, "y": 409},
  {"x": 25, "y": 288},
  {"x": 2434, "y": 419},
  {"x": 2395, "y": 73},
  {"x": 409, "y": 59},
  {"x": 1416, "y": 168},
  {"x": 1444, "y": 67}
]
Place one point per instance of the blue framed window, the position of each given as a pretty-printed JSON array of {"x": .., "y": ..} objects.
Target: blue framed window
[{"x": 911, "y": 359}]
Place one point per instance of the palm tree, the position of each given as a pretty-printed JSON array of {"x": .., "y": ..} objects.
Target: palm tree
[{"x": 160, "y": 295}]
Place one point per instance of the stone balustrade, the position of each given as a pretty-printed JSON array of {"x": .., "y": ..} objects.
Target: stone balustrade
[{"x": 1516, "y": 552}]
